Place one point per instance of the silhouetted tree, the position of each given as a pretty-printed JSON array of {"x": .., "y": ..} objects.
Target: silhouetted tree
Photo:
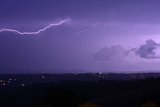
[{"x": 58, "y": 97}]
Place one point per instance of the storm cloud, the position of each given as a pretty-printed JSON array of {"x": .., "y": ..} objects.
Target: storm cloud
[{"x": 149, "y": 50}]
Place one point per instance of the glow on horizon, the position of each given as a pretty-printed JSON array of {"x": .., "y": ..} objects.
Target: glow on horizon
[{"x": 36, "y": 32}]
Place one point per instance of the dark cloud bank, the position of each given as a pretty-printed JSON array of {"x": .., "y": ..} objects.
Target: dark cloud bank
[{"x": 149, "y": 50}]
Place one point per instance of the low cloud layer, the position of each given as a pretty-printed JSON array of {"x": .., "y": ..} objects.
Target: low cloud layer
[{"x": 149, "y": 50}]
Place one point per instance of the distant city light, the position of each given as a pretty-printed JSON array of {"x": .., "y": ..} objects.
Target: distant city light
[
  {"x": 43, "y": 77},
  {"x": 23, "y": 85}
]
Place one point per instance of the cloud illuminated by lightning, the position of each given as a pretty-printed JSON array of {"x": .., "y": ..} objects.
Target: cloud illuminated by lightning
[{"x": 36, "y": 32}]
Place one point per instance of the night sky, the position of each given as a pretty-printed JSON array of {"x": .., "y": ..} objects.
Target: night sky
[{"x": 96, "y": 36}]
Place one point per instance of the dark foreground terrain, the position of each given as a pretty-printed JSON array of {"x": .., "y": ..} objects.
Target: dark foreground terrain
[{"x": 79, "y": 90}]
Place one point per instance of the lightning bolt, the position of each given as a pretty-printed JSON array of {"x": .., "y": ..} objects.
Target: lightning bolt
[
  {"x": 36, "y": 32},
  {"x": 135, "y": 29},
  {"x": 87, "y": 29}
]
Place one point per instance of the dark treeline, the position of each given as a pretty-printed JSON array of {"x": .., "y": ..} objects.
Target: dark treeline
[{"x": 73, "y": 93}]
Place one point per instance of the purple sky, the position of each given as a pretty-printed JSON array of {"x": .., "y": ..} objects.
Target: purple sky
[{"x": 100, "y": 36}]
